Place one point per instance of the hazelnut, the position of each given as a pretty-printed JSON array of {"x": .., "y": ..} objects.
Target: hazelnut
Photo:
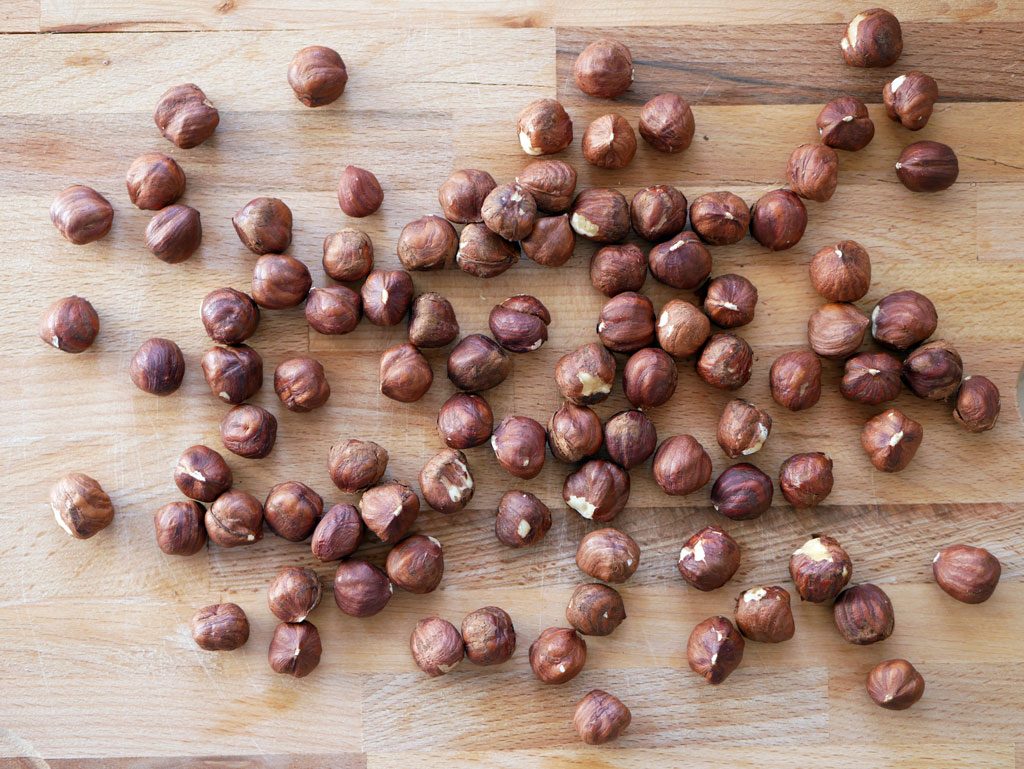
[
  {"x": 280, "y": 281},
  {"x": 891, "y": 440},
  {"x": 154, "y": 181},
  {"x": 743, "y": 428},
  {"x": 895, "y": 684},
  {"x": 544, "y": 127},
  {"x": 595, "y": 609},
  {"x": 446, "y": 482},
  {"x": 235, "y": 518},
  {"x": 333, "y": 310},
  {"x": 317, "y": 75},
  {"x": 709, "y": 558},
  {"x": 873, "y": 39},
  {"x": 649, "y": 378},
  {"x": 229, "y": 316},
  {"x": 615, "y": 269},
  {"x": 927, "y": 167},
  {"x": 977, "y": 404},
  {"x": 820, "y": 568},
  {"x": 903, "y": 319},
  {"x": 222, "y": 627},
  {"x": 477, "y": 362},
  {"x": 264, "y": 225},
  {"x": 522, "y": 519},
  {"x": 356, "y": 465},
  {"x": 234, "y": 374},
  {"x": 294, "y": 593},
  {"x": 80, "y": 506},
  {"x": 301, "y": 384},
  {"x": 598, "y": 491},
  {"x": 361, "y": 589},
  {"x": 910, "y": 98},
  {"x": 813, "y": 172},
  {"x": 681, "y": 465},
  {"x": 720, "y": 218},
  {"x": 863, "y": 614},
  {"x": 742, "y": 492},
  {"x": 465, "y": 421},
  {"x": 609, "y": 142},
  {"x": 682, "y": 262},
  {"x": 348, "y": 255},
  {"x": 968, "y": 574},
  {"x": 484, "y": 254},
  {"x": 682, "y": 328},
  {"x": 725, "y": 362},
  {"x": 778, "y": 220},
  {"x": 179, "y": 528},
  {"x": 585, "y": 375},
  {"x": 714, "y": 649},
  {"x": 489, "y": 636},
  {"x": 835, "y": 330},
  {"x": 934, "y": 371},
  {"x": 558, "y": 655},
  {"x": 70, "y": 324},
  {"x": 436, "y": 646},
  {"x": 295, "y": 649},
  {"x": 428, "y": 243},
  {"x": 509, "y": 211},
  {"x": 574, "y": 433},
  {"x": 795, "y": 380},
  {"x": 405, "y": 374},
  {"x": 806, "y": 479},
  {"x": 520, "y": 323},
  {"x": 81, "y": 214},
  {"x": 387, "y": 296},
  {"x": 600, "y": 717},
  {"x": 185, "y": 116},
  {"x": 844, "y": 124},
  {"x": 202, "y": 474},
  {"x": 609, "y": 555},
  {"x": 359, "y": 192},
  {"x": 338, "y": 535},
  {"x": 872, "y": 378},
  {"x": 432, "y": 321},
  {"x": 841, "y": 273},
  {"x": 600, "y": 214},
  {"x": 551, "y": 182},
  {"x": 552, "y": 241},
  {"x": 157, "y": 367},
  {"x": 518, "y": 444},
  {"x": 604, "y": 68},
  {"x": 249, "y": 431},
  {"x": 292, "y": 510},
  {"x": 730, "y": 301},
  {"x": 462, "y": 195},
  {"x": 763, "y": 614},
  {"x": 416, "y": 564},
  {"x": 630, "y": 438},
  {"x": 389, "y": 510},
  {"x": 626, "y": 322},
  {"x": 666, "y": 123}
]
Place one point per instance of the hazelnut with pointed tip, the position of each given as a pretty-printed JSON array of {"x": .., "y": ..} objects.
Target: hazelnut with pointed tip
[
  {"x": 389, "y": 510},
  {"x": 416, "y": 564},
  {"x": 295, "y": 649},
  {"x": 714, "y": 649},
  {"x": 863, "y": 614},
  {"x": 895, "y": 684},
  {"x": 446, "y": 482},
  {"x": 280, "y": 281},
  {"x": 522, "y": 519},
  {"x": 891, "y": 439},
  {"x": 544, "y": 127},
  {"x": 609, "y": 142},
  {"x": 976, "y": 408},
  {"x": 968, "y": 574},
  {"x": 795, "y": 380},
  {"x": 432, "y": 321},
  {"x": 359, "y": 192},
  {"x": 763, "y": 614},
  {"x": 519, "y": 444},
  {"x": 709, "y": 558},
  {"x": 338, "y": 534},
  {"x": 333, "y": 310},
  {"x": 681, "y": 465},
  {"x": 844, "y": 124},
  {"x": 743, "y": 428},
  {"x": 609, "y": 555},
  {"x": 387, "y": 296},
  {"x": 598, "y": 491},
  {"x": 604, "y": 69},
  {"x": 806, "y": 479},
  {"x": 558, "y": 655},
  {"x": 595, "y": 609},
  {"x": 80, "y": 505},
  {"x": 436, "y": 646},
  {"x": 927, "y": 167},
  {"x": 841, "y": 273},
  {"x": 294, "y": 593},
  {"x": 820, "y": 568}
]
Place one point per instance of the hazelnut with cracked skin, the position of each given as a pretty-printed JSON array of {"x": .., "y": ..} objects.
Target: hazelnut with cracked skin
[
  {"x": 405, "y": 374},
  {"x": 294, "y": 593},
  {"x": 682, "y": 262},
  {"x": 301, "y": 384},
  {"x": 604, "y": 69},
  {"x": 361, "y": 589},
  {"x": 618, "y": 268},
  {"x": 81, "y": 214},
  {"x": 813, "y": 172},
  {"x": 551, "y": 182},
  {"x": 681, "y": 465},
  {"x": 264, "y": 225},
  {"x": 595, "y": 609},
  {"x": 976, "y": 407},
  {"x": 477, "y": 362},
  {"x": 249, "y": 431},
  {"x": 544, "y": 127},
  {"x": 462, "y": 195},
  {"x": 154, "y": 181},
  {"x": 229, "y": 316},
  {"x": 585, "y": 376},
  {"x": 903, "y": 319},
  {"x": 933, "y": 371},
  {"x": 489, "y": 636},
  {"x": 416, "y": 564},
  {"x": 80, "y": 505},
  {"x": 763, "y": 614},
  {"x": 895, "y": 684},
  {"x": 292, "y": 510},
  {"x": 235, "y": 519},
  {"x": 202, "y": 474},
  {"x": 484, "y": 254},
  {"x": 359, "y": 192},
  {"x": 348, "y": 255},
  {"x": 432, "y": 321},
  {"x": 509, "y": 211},
  {"x": 558, "y": 655},
  {"x": 795, "y": 380},
  {"x": 682, "y": 328},
  {"x": 389, "y": 510},
  {"x": 427, "y": 243},
  {"x": 910, "y": 98},
  {"x": 658, "y": 212},
  {"x": 927, "y": 167},
  {"x": 221, "y": 627},
  {"x": 600, "y": 214},
  {"x": 844, "y": 124},
  {"x": 446, "y": 482},
  {"x": 333, "y": 310},
  {"x": 552, "y": 241},
  {"x": 70, "y": 324},
  {"x": 179, "y": 528},
  {"x": 714, "y": 649},
  {"x": 295, "y": 649},
  {"x": 666, "y": 123},
  {"x": 709, "y": 558},
  {"x": 730, "y": 301},
  {"x": 743, "y": 428},
  {"x": 725, "y": 362},
  {"x": 356, "y": 465},
  {"x": 518, "y": 444},
  {"x": 522, "y": 519},
  {"x": 630, "y": 438},
  {"x": 649, "y": 378},
  {"x": 338, "y": 534},
  {"x": 387, "y": 296},
  {"x": 280, "y": 281},
  {"x": 891, "y": 440},
  {"x": 806, "y": 479},
  {"x": 835, "y": 330},
  {"x": 520, "y": 323},
  {"x": 841, "y": 273},
  {"x": 872, "y": 378},
  {"x": 863, "y": 614},
  {"x": 626, "y": 323},
  {"x": 465, "y": 421},
  {"x": 720, "y": 218},
  {"x": 609, "y": 555},
  {"x": 574, "y": 433},
  {"x": 968, "y": 574},
  {"x": 185, "y": 116},
  {"x": 600, "y": 717},
  {"x": 742, "y": 492},
  {"x": 157, "y": 367},
  {"x": 778, "y": 220},
  {"x": 598, "y": 491},
  {"x": 820, "y": 568},
  {"x": 873, "y": 39},
  {"x": 436, "y": 646},
  {"x": 317, "y": 75},
  {"x": 609, "y": 142}
]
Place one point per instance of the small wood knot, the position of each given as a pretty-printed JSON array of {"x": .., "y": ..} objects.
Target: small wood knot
[{"x": 226, "y": 6}]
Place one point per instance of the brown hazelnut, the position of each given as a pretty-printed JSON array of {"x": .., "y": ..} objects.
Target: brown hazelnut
[
  {"x": 649, "y": 378},
  {"x": 601, "y": 214},
  {"x": 891, "y": 440},
  {"x": 317, "y": 75},
  {"x": 806, "y": 479},
  {"x": 552, "y": 241},
  {"x": 432, "y": 321},
  {"x": 682, "y": 328},
  {"x": 338, "y": 535},
  {"x": 465, "y": 421},
  {"x": 558, "y": 655},
  {"x": 681, "y": 465},
  {"x": 934, "y": 371},
  {"x": 509, "y": 211},
  {"x": 280, "y": 281},
  {"x": 910, "y": 98},
  {"x": 666, "y": 123},
  {"x": 81, "y": 214},
  {"x": 361, "y": 589},
  {"x": 820, "y": 568},
  {"x": 872, "y": 378},
  {"x": 927, "y": 167},
  {"x": 630, "y": 438},
  {"x": 264, "y": 225},
  {"x": 428, "y": 243},
  {"x": 976, "y": 407},
  {"x": 185, "y": 116},
  {"x": 294, "y": 593},
  {"x": 873, "y": 39},
  {"x": 333, "y": 310},
  {"x": 595, "y": 609},
  {"x": 598, "y": 491},
  {"x": 841, "y": 273},
  {"x": 574, "y": 433},
  {"x": 742, "y": 492},
  {"x": 844, "y": 124},
  {"x": 389, "y": 510},
  {"x": 484, "y": 254},
  {"x": 709, "y": 558},
  {"x": 446, "y": 482},
  {"x": 903, "y": 319},
  {"x": 405, "y": 374},
  {"x": 436, "y": 646},
  {"x": 295, "y": 649},
  {"x": 714, "y": 649},
  {"x": 720, "y": 218},
  {"x": 518, "y": 444},
  {"x": 778, "y": 220},
  {"x": 764, "y": 614},
  {"x": 416, "y": 564},
  {"x": 489, "y": 636},
  {"x": 387, "y": 296},
  {"x": 551, "y": 182},
  {"x": 618, "y": 268},
  {"x": 813, "y": 172},
  {"x": 600, "y": 717},
  {"x": 292, "y": 510},
  {"x": 725, "y": 362},
  {"x": 157, "y": 367},
  {"x": 234, "y": 374},
  {"x": 359, "y": 192},
  {"x": 835, "y": 330},
  {"x": 249, "y": 431},
  {"x": 348, "y": 255},
  {"x": 301, "y": 384},
  {"x": 682, "y": 262},
  {"x": 895, "y": 684},
  {"x": 609, "y": 142},
  {"x": 795, "y": 380},
  {"x": 544, "y": 127},
  {"x": 356, "y": 465},
  {"x": 179, "y": 528},
  {"x": 235, "y": 518},
  {"x": 229, "y": 316},
  {"x": 462, "y": 195},
  {"x": 80, "y": 505},
  {"x": 585, "y": 375},
  {"x": 604, "y": 68},
  {"x": 477, "y": 362},
  {"x": 730, "y": 301},
  {"x": 222, "y": 627},
  {"x": 968, "y": 574},
  {"x": 70, "y": 324},
  {"x": 522, "y": 519},
  {"x": 626, "y": 323},
  {"x": 154, "y": 181},
  {"x": 863, "y": 614},
  {"x": 743, "y": 428},
  {"x": 520, "y": 323},
  {"x": 202, "y": 474},
  {"x": 609, "y": 555}
]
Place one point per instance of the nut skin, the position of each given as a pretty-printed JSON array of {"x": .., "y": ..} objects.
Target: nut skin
[
  {"x": 291, "y": 511},
  {"x": 806, "y": 479},
  {"x": 154, "y": 181},
  {"x": 446, "y": 482},
  {"x": 432, "y": 321},
  {"x": 249, "y": 431},
  {"x": 933, "y": 371},
  {"x": 509, "y": 211},
  {"x": 294, "y": 593},
  {"x": 681, "y": 465},
  {"x": 835, "y": 330},
  {"x": 720, "y": 218},
  {"x": 709, "y": 558},
  {"x": 666, "y": 123},
  {"x": 595, "y": 609},
  {"x": 903, "y": 319},
  {"x": 465, "y": 421},
  {"x": 872, "y": 378},
  {"x": 522, "y": 519},
  {"x": 333, "y": 310},
  {"x": 520, "y": 323},
  {"x": 361, "y": 589},
  {"x": 609, "y": 142},
  {"x": 157, "y": 367},
  {"x": 416, "y": 564},
  {"x": 682, "y": 328},
  {"x": 630, "y": 438},
  {"x": 604, "y": 69},
  {"x": 405, "y": 374},
  {"x": 518, "y": 444},
  {"x": 389, "y": 510},
  {"x": 714, "y": 649},
  {"x": 730, "y": 301},
  {"x": 910, "y": 98},
  {"x": 927, "y": 167},
  {"x": 618, "y": 268},
  {"x": 280, "y": 281},
  {"x": 489, "y": 636},
  {"x": 359, "y": 192},
  {"x": 976, "y": 407},
  {"x": 484, "y": 254},
  {"x": 338, "y": 534},
  {"x": 552, "y": 241},
  {"x": 317, "y": 75},
  {"x": 742, "y": 492},
  {"x": 863, "y": 614},
  {"x": 895, "y": 684},
  {"x": 234, "y": 374},
  {"x": 477, "y": 362},
  {"x": 841, "y": 273},
  {"x": 295, "y": 649},
  {"x": 81, "y": 214},
  {"x": 778, "y": 220},
  {"x": 626, "y": 323},
  {"x": 585, "y": 376},
  {"x": 179, "y": 528},
  {"x": 544, "y": 127},
  {"x": 600, "y": 214},
  {"x": 348, "y": 255},
  {"x": 820, "y": 568},
  {"x": 356, "y": 465},
  {"x": 462, "y": 195},
  {"x": 968, "y": 574},
  {"x": 574, "y": 433},
  {"x": 844, "y": 124},
  {"x": 229, "y": 316},
  {"x": 80, "y": 505},
  {"x": 551, "y": 182},
  {"x": 558, "y": 655},
  {"x": 70, "y": 324},
  {"x": 436, "y": 646},
  {"x": 609, "y": 555},
  {"x": 387, "y": 296},
  {"x": 764, "y": 614},
  {"x": 202, "y": 474},
  {"x": 428, "y": 243},
  {"x": 725, "y": 362},
  {"x": 795, "y": 380},
  {"x": 891, "y": 440},
  {"x": 873, "y": 39},
  {"x": 234, "y": 519},
  {"x": 682, "y": 262},
  {"x": 264, "y": 225},
  {"x": 221, "y": 627},
  {"x": 185, "y": 116},
  {"x": 598, "y": 491},
  {"x": 743, "y": 428},
  {"x": 301, "y": 384},
  {"x": 649, "y": 378},
  {"x": 600, "y": 717},
  {"x": 813, "y": 172}
]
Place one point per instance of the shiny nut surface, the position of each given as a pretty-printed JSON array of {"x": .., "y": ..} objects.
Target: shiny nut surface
[
  {"x": 509, "y": 211},
  {"x": 462, "y": 195},
  {"x": 709, "y": 558},
  {"x": 81, "y": 214},
  {"x": 903, "y": 319},
  {"x": 389, "y": 510},
  {"x": 681, "y": 465},
  {"x": 478, "y": 363},
  {"x": 338, "y": 534},
  {"x": 764, "y": 614},
  {"x": 743, "y": 428},
  {"x": 551, "y": 242},
  {"x": 863, "y": 614},
  {"x": 720, "y": 218},
  {"x": 933, "y": 371},
  {"x": 558, "y": 655},
  {"x": 317, "y": 75},
  {"x": 264, "y": 225},
  {"x": 464, "y": 421},
  {"x": 609, "y": 555},
  {"x": 927, "y": 167},
  {"x": 841, "y": 273},
  {"x": 520, "y": 323},
  {"x": 522, "y": 519},
  {"x": 806, "y": 479},
  {"x": 220, "y": 627},
  {"x": 361, "y": 589},
  {"x": 202, "y": 474},
  {"x": 301, "y": 384},
  {"x": 446, "y": 482},
  {"x": 436, "y": 646},
  {"x": 405, "y": 374},
  {"x": 844, "y": 124},
  {"x": 730, "y": 301},
  {"x": 427, "y": 243},
  {"x": 630, "y": 438},
  {"x": 600, "y": 717},
  {"x": 179, "y": 528},
  {"x": 873, "y": 39},
  {"x": 595, "y": 609},
  {"x": 387, "y": 296},
  {"x": 185, "y": 116},
  {"x": 835, "y": 330},
  {"x": 292, "y": 510},
  {"x": 348, "y": 255},
  {"x": 483, "y": 253},
  {"x": 80, "y": 505},
  {"x": 604, "y": 69},
  {"x": 682, "y": 328},
  {"x": 249, "y": 431},
  {"x": 70, "y": 324},
  {"x": 355, "y": 465},
  {"x": 234, "y": 519},
  {"x": 626, "y": 322},
  {"x": 725, "y": 362},
  {"x": 295, "y": 649},
  {"x": 432, "y": 321},
  {"x": 519, "y": 445},
  {"x": 574, "y": 433},
  {"x": 813, "y": 172},
  {"x": 666, "y": 123},
  {"x": 872, "y": 378},
  {"x": 551, "y": 182},
  {"x": 649, "y": 378},
  {"x": 154, "y": 180},
  {"x": 294, "y": 593},
  {"x": 820, "y": 568},
  {"x": 895, "y": 684},
  {"x": 416, "y": 564},
  {"x": 891, "y": 439},
  {"x": 714, "y": 649},
  {"x": 280, "y": 281},
  {"x": 489, "y": 636},
  {"x": 157, "y": 367},
  {"x": 778, "y": 220},
  {"x": 618, "y": 268},
  {"x": 359, "y": 192},
  {"x": 742, "y": 492},
  {"x": 598, "y": 491},
  {"x": 976, "y": 408},
  {"x": 600, "y": 214},
  {"x": 795, "y": 379},
  {"x": 910, "y": 98},
  {"x": 586, "y": 375},
  {"x": 969, "y": 574},
  {"x": 544, "y": 127},
  {"x": 333, "y": 310},
  {"x": 229, "y": 316},
  {"x": 681, "y": 262},
  {"x": 609, "y": 142}
]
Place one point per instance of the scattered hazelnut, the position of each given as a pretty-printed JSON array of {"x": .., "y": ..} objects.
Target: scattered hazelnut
[
  {"x": 154, "y": 181},
  {"x": 359, "y": 192},
  {"x": 682, "y": 262},
  {"x": 436, "y": 646},
  {"x": 585, "y": 375},
  {"x": 185, "y": 116},
  {"x": 872, "y": 378},
  {"x": 264, "y": 225},
  {"x": 933, "y": 371},
  {"x": 522, "y": 519},
  {"x": 977, "y": 404},
  {"x": 863, "y": 614},
  {"x": 714, "y": 649},
  {"x": 813, "y": 172},
  {"x": 520, "y": 323},
  {"x": 618, "y": 268},
  {"x": 742, "y": 492},
  {"x": 841, "y": 273},
  {"x": 489, "y": 636},
  {"x": 709, "y": 558},
  {"x": 551, "y": 182},
  {"x": 649, "y": 378},
  {"x": 387, "y": 296},
  {"x": 574, "y": 433},
  {"x": 428, "y": 243},
  {"x": 598, "y": 491},
  {"x": 666, "y": 123},
  {"x": 280, "y": 281},
  {"x": 229, "y": 316},
  {"x": 795, "y": 380},
  {"x": 891, "y": 440},
  {"x": 609, "y": 555},
  {"x": 630, "y": 438},
  {"x": 552, "y": 241},
  {"x": 835, "y": 330},
  {"x": 806, "y": 479},
  {"x": 968, "y": 574},
  {"x": 903, "y": 319},
  {"x": 778, "y": 220},
  {"x": 333, "y": 310},
  {"x": 820, "y": 568},
  {"x": 292, "y": 510},
  {"x": 509, "y": 211},
  {"x": 600, "y": 717},
  {"x": 317, "y": 75},
  {"x": 604, "y": 68},
  {"x": 720, "y": 218},
  {"x": 179, "y": 528},
  {"x": 356, "y": 465},
  {"x": 222, "y": 627},
  {"x": 416, "y": 564},
  {"x": 544, "y": 127},
  {"x": 157, "y": 367},
  {"x": 301, "y": 384},
  {"x": 895, "y": 684},
  {"x": 743, "y": 428},
  {"x": 405, "y": 374},
  {"x": 518, "y": 444},
  {"x": 725, "y": 362},
  {"x": 249, "y": 431},
  {"x": 389, "y": 510},
  {"x": 446, "y": 482},
  {"x": 484, "y": 254},
  {"x": 202, "y": 474},
  {"x": 432, "y": 321},
  {"x": 873, "y": 39},
  {"x": 295, "y": 649},
  {"x": 626, "y": 322},
  {"x": 338, "y": 535},
  {"x": 465, "y": 421},
  {"x": 844, "y": 124},
  {"x": 294, "y": 593},
  {"x": 595, "y": 609},
  {"x": 477, "y": 362},
  {"x": 234, "y": 374},
  {"x": 910, "y": 98},
  {"x": 681, "y": 465},
  {"x": 235, "y": 518},
  {"x": 558, "y": 655},
  {"x": 80, "y": 505},
  {"x": 682, "y": 328},
  {"x": 763, "y": 614},
  {"x": 730, "y": 301},
  {"x": 361, "y": 589},
  {"x": 927, "y": 167},
  {"x": 81, "y": 214},
  {"x": 601, "y": 214},
  {"x": 348, "y": 255},
  {"x": 609, "y": 142},
  {"x": 70, "y": 324},
  {"x": 462, "y": 195}
]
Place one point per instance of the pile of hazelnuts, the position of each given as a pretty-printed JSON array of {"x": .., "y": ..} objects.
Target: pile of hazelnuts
[{"x": 540, "y": 215}]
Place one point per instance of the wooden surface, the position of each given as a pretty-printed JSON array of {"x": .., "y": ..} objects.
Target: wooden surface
[{"x": 98, "y": 669}]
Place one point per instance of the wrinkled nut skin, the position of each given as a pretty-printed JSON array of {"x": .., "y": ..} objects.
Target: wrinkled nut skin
[
  {"x": 933, "y": 371},
  {"x": 551, "y": 242},
  {"x": 841, "y": 273},
  {"x": 389, "y": 510},
  {"x": 778, "y": 220},
  {"x": 649, "y": 378},
  {"x": 301, "y": 384},
  {"x": 280, "y": 281},
  {"x": 835, "y": 330},
  {"x": 666, "y": 123},
  {"x": 714, "y": 649},
  {"x": 356, "y": 465},
  {"x": 813, "y": 172},
  {"x": 317, "y": 75},
  {"x": 484, "y": 254},
  {"x": 927, "y": 167},
  {"x": 977, "y": 406},
  {"x": 462, "y": 195},
  {"x": 80, "y": 505},
  {"x": 465, "y": 421},
  {"x": 359, "y": 192},
  {"x": 806, "y": 479},
  {"x": 609, "y": 555},
  {"x": 294, "y": 593},
  {"x": 873, "y": 39},
  {"x": 361, "y": 589},
  {"x": 387, "y": 296},
  {"x": 910, "y": 98},
  {"x": 446, "y": 482},
  {"x": 264, "y": 225},
  {"x": 520, "y": 323},
  {"x": 630, "y": 438},
  {"x": 626, "y": 322},
  {"x": 416, "y": 564},
  {"x": 179, "y": 528},
  {"x": 601, "y": 214},
  {"x": 221, "y": 627},
  {"x": 518, "y": 444},
  {"x": 820, "y": 568},
  {"x": 682, "y": 328},
  {"x": 333, "y": 310},
  {"x": 743, "y": 428},
  {"x": 730, "y": 301},
  {"x": 709, "y": 558},
  {"x": 795, "y": 380},
  {"x": 600, "y": 717},
  {"x": 202, "y": 474},
  {"x": 522, "y": 519},
  {"x": 235, "y": 518},
  {"x": 903, "y": 319},
  {"x": 682, "y": 262},
  {"x": 720, "y": 218},
  {"x": 574, "y": 433},
  {"x": 185, "y": 116},
  {"x": 477, "y": 362},
  {"x": 598, "y": 491},
  {"x": 295, "y": 649},
  {"x": 249, "y": 431},
  {"x": 681, "y": 465},
  {"x": 489, "y": 636},
  {"x": 764, "y": 614},
  {"x": 891, "y": 440},
  {"x": 863, "y": 614},
  {"x": 844, "y": 124},
  {"x": 157, "y": 367},
  {"x": 348, "y": 255},
  {"x": 968, "y": 574},
  {"x": 551, "y": 182},
  {"x": 428, "y": 243},
  {"x": 872, "y": 378},
  {"x": 154, "y": 181},
  {"x": 436, "y": 646},
  {"x": 229, "y": 316},
  {"x": 70, "y": 324},
  {"x": 742, "y": 492},
  {"x": 585, "y": 376},
  {"x": 405, "y": 374},
  {"x": 725, "y": 362},
  {"x": 895, "y": 684},
  {"x": 618, "y": 268},
  {"x": 81, "y": 214},
  {"x": 292, "y": 510},
  {"x": 509, "y": 211},
  {"x": 558, "y": 655},
  {"x": 604, "y": 69},
  {"x": 432, "y": 321},
  {"x": 338, "y": 534},
  {"x": 595, "y": 609},
  {"x": 544, "y": 127},
  {"x": 609, "y": 142}
]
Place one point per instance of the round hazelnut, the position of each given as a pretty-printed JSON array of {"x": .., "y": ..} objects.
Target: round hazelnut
[
  {"x": 743, "y": 428},
  {"x": 720, "y": 218},
  {"x": 484, "y": 254},
  {"x": 835, "y": 330},
  {"x": 389, "y": 510},
  {"x": 730, "y": 301},
  {"x": 598, "y": 491},
  {"x": 234, "y": 519},
  {"x": 600, "y": 214},
  {"x": 294, "y": 593},
  {"x": 806, "y": 479},
  {"x": 338, "y": 534},
  {"x": 301, "y": 384},
  {"x": 544, "y": 127},
  {"x": 361, "y": 589},
  {"x": 387, "y": 296},
  {"x": 333, "y": 310},
  {"x": 522, "y": 519},
  {"x": 518, "y": 444},
  {"x": 179, "y": 528},
  {"x": 795, "y": 380},
  {"x": 280, "y": 281},
  {"x": 416, "y": 564},
  {"x": 234, "y": 374},
  {"x": 551, "y": 242},
  {"x": 446, "y": 482},
  {"x": 666, "y": 123},
  {"x": 725, "y": 362},
  {"x": 574, "y": 433},
  {"x": 910, "y": 98},
  {"x": 551, "y": 182},
  {"x": 820, "y": 568},
  {"x": 81, "y": 214},
  {"x": 600, "y": 717},
  {"x": 428, "y": 243},
  {"x": 477, "y": 362},
  {"x": 933, "y": 371},
  {"x": 80, "y": 505},
  {"x": 202, "y": 474},
  {"x": 813, "y": 172},
  {"x": 359, "y": 192},
  {"x": 436, "y": 646},
  {"x": 618, "y": 268},
  {"x": 742, "y": 492},
  {"x": 585, "y": 375},
  {"x": 682, "y": 262},
  {"x": 976, "y": 408},
  {"x": 154, "y": 181},
  {"x": 872, "y": 378},
  {"x": 185, "y": 116},
  {"x": 609, "y": 555},
  {"x": 70, "y": 324},
  {"x": 968, "y": 574},
  {"x": 609, "y": 142},
  {"x": 604, "y": 68},
  {"x": 348, "y": 255},
  {"x": 891, "y": 440},
  {"x": 432, "y": 321},
  {"x": 157, "y": 367},
  {"x": 778, "y": 220},
  {"x": 356, "y": 465},
  {"x": 465, "y": 421},
  {"x": 509, "y": 211},
  {"x": 462, "y": 195},
  {"x": 841, "y": 273},
  {"x": 927, "y": 167},
  {"x": 264, "y": 225},
  {"x": 903, "y": 319},
  {"x": 405, "y": 374},
  {"x": 626, "y": 323},
  {"x": 764, "y": 614},
  {"x": 895, "y": 684},
  {"x": 295, "y": 649},
  {"x": 873, "y": 39},
  {"x": 681, "y": 465},
  {"x": 630, "y": 438},
  {"x": 709, "y": 558},
  {"x": 489, "y": 636},
  {"x": 292, "y": 510},
  {"x": 863, "y": 614},
  {"x": 844, "y": 124},
  {"x": 520, "y": 323},
  {"x": 714, "y": 649},
  {"x": 249, "y": 431},
  {"x": 558, "y": 655},
  {"x": 229, "y": 316},
  {"x": 682, "y": 328},
  {"x": 317, "y": 75},
  {"x": 649, "y": 378},
  {"x": 595, "y": 609},
  {"x": 222, "y": 627}
]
